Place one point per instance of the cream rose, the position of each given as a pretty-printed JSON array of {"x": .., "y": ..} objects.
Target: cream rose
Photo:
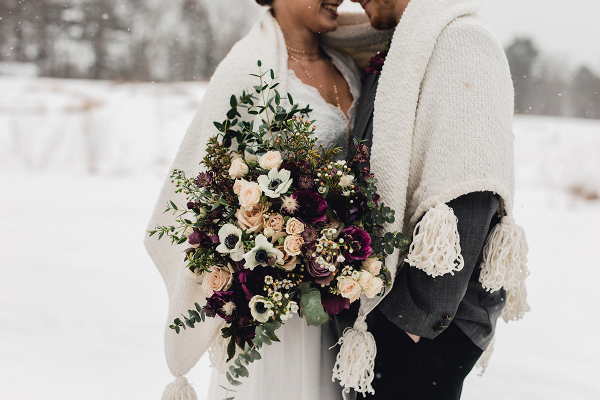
[
  {"x": 275, "y": 222},
  {"x": 293, "y": 244},
  {"x": 238, "y": 185},
  {"x": 375, "y": 288},
  {"x": 250, "y": 195},
  {"x": 289, "y": 262},
  {"x": 251, "y": 220},
  {"x": 268, "y": 232},
  {"x": 349, "y": 289},
  {"x": 238, "y": 168},
  {"x": 217, "y": 279},
  {"x": 372, "y": 265},
  {"x": 270, "y": 160},
  {"x": 294, "y": 227}
]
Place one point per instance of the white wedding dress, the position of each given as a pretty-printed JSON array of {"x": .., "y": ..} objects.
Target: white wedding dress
[{"x": 300, "y": 366}]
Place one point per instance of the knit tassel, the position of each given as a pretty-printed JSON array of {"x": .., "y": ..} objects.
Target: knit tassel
[
  {"x": 485, "y": 357},
  {"x": 179, "y": 389},
  {"x": 516, "y": 303},
  {"x": 435, "y": 248},
  {"x": 355, "y": 362},
  {"x": 505, "y": 257}
]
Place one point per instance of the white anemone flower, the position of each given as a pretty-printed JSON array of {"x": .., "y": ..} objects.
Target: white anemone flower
[
  {"x": 262, "y": 253},
  {"x": 275, "y": 183},
  {"x": 230, "y": 237},
  {"x": 259, "y": 309}
]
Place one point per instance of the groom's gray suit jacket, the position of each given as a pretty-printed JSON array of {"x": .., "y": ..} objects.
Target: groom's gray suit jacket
[{"x": 425, "y": 306}]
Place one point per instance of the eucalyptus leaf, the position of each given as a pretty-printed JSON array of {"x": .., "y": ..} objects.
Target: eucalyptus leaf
[{"x": 310, "y": 302}]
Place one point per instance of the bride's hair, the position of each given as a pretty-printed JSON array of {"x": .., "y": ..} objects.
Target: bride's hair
[{"x": 265, "y": 2}]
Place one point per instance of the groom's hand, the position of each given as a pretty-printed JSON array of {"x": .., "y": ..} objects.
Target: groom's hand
[{"x": 415, "y": 338}]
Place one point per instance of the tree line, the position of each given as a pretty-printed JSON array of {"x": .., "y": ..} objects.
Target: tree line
[
  {"x": 144, "y": 40},
  {"x": 157, "y": 40}
]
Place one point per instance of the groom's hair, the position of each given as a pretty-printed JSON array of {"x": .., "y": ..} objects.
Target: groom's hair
[{"x": 265, "y": 2}]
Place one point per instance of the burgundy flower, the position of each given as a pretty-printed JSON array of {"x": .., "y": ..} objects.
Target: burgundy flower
[
  {"x": 325, "y": 280},
  {"x": 350, "y": 212},
  {"x": 309, "y": 234},
  {"x": 253, "y": 281},
  {"x": 202, "y": 239},
  {"x": 333, "y": 303},
  {"x": 306, "y": 182},
  {"x": 376, "y": 63},
  {"x": 203, "y": 179},
  {"x": 217, "y": 302},
  {"x": 358, "y": 241},
  {"x": 362, "y": 153},
  {"x": 295, "y": 169},
  {"x": 311, "y": 207},
  {"x": 317, "y": 269},
  {"x": 366, "y": 173}
]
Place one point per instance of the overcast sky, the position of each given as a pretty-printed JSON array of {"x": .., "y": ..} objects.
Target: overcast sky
[{"x": 567, "y": 30}]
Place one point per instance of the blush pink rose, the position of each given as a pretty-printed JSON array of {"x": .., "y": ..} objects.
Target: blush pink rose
[
  {"x": 276, "y": 222},
  {"x": 293, "y": 244},
  {"x": 238, "y": 185},
  {"x": 375, "y": 287},
  {"x": 289, "y": 262},
  {"x": 238, "y": 168},
  {"x": 251, "y": 220},
  {"x": 217, "y": 279},
  {"x": 349, "y": 289},
  {"x": 372, "y": 265},
  {"x": 270, "y": 160},
  {"x": 250, "y": 195},
  {"x": 294, "y": 227}
]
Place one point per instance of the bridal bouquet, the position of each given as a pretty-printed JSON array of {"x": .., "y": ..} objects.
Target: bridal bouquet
[{"x": 276, "y": 226}]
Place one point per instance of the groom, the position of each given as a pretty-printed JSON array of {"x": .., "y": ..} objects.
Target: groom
[{"x": 430, "y": 331}]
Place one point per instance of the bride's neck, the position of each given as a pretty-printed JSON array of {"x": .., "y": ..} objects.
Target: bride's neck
[{"x": 298, "y": 36}]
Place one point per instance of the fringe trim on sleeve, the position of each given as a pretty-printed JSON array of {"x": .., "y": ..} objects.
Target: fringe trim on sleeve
[{"x": 436, "y": 244}]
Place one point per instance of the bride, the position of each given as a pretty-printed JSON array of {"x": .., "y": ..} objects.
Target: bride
[{"x": 287, "y": 40}]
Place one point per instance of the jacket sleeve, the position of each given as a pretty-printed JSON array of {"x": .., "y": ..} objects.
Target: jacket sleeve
[{"x": 425, "y": 306}]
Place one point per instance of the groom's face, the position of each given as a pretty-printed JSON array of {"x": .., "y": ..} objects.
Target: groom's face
[{"x": 382, "y": 13}]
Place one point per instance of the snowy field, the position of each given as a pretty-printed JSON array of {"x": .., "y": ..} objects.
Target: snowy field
[{"x": 82, "y": 307}]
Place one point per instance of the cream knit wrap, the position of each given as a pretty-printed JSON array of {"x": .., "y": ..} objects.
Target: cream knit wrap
[{"x": 442, "y": 128}]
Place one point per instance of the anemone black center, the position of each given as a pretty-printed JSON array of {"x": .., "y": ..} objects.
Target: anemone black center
[
  {"x": 260, "y": 307},
  {"x": 231, "y": 241},
  {"x": 274, "y": 183},
  {"x": 261, "y": 256}
]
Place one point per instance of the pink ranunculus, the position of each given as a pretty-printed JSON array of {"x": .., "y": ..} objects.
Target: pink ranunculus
[
  {"x": 276, "y": 222},
  {"x": 251, "y": 220},
  {"x": 375, "y": 287},
  {"x": 250, "y": 195},
  {"x": 349, "y": 289},
  {"x": 373, "y": 265},
  {"x": 270, "y": 160},
  {"x": 294, "y": 227},
  {"x": 238, "y": 168},
  {"x": 217, "y": 279},
  {"x": 293, "y": 244}
]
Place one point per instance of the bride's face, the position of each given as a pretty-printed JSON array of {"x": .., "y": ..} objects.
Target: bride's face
[{"x": 316, "y": 15}]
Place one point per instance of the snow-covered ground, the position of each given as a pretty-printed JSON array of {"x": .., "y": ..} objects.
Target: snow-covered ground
[{"x": 82, "y": 308}]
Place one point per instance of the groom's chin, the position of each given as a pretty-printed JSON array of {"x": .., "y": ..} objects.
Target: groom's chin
[{"x": 382, "y": 24}]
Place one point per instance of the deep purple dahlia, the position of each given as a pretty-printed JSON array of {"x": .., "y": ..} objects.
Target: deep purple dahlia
[
  {"x": 217, "y": 304},
  {"x": 358, "y": 242},
  {"x": 312, "y": 207}
]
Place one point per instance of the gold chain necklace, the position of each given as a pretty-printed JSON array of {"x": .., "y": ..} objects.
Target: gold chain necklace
[
  {"x": 300, "y": 51},
  {"x": 335, "y": 101},
  {"x": 335, "y": 90}
]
